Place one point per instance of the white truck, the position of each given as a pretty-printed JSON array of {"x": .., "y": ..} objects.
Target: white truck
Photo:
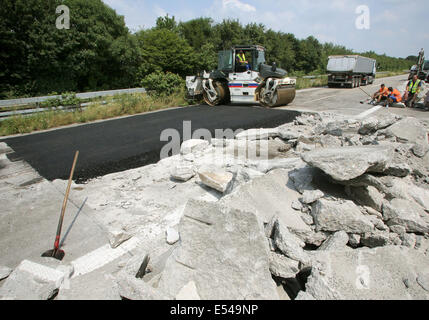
[{"x": 351, "y": 71}]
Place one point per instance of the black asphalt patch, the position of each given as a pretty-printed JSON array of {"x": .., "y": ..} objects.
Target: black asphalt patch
[{"x": 127, "y": 143}]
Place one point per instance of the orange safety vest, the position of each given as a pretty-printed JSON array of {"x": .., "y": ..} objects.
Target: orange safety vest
[
  {"x": 397, "y": 95},
  {"x": 384, "y": 91}
]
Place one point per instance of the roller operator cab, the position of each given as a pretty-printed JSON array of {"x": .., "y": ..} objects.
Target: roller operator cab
[{"x": 244, "y": 83}]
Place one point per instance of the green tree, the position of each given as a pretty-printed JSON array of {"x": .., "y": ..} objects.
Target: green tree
[
  {"x": 167, "y": 22},
  {"x": 163, "y": 50},
  {"x": 37, "y": 58}
]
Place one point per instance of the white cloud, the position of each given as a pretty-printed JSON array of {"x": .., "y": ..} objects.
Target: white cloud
[
  {"x": 160, "y": 12},
  {"x": 237, "y": 4}
]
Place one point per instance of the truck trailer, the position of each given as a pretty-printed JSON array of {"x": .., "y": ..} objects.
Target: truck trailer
[{"x": 351, "y": 71}]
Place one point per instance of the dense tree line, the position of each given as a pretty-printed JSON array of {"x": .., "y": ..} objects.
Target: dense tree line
[{"x": 99, "y": 52}]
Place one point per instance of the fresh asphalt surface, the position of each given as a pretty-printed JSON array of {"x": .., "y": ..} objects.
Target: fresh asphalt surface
[
  {"x": 126, "y": 143},
  {"x": 121, "y": 144}
]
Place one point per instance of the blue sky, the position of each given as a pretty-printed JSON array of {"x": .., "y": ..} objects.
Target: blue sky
[{"x": 397, "y": 27}]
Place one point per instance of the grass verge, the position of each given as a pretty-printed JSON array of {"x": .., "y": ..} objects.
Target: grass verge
[
  {"x": 304, "y": 83},
  {"x": 120, "y": 105}
]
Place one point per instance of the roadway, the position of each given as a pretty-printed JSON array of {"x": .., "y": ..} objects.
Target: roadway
[{"x": 130, "y": 142}]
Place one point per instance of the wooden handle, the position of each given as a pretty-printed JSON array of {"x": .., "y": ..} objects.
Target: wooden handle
[{"x": 63, "y": 209}]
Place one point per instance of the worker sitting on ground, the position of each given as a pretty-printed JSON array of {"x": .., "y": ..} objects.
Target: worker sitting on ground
[
  {"x": 393, "y": 97},
  {"x": 241, "y": 60},
  {"x": 381, "y": 94},
  {"x": 411, "y": 92}
]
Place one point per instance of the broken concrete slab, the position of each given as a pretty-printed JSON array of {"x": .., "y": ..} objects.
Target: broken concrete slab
[
  {"x": 172, "y": 236},
  {"x": 369, "y": 125},
  {"x": 223, "y": 251},
  {"x": 310, "y": 196},
  {"x": 354, "y": 239},
  {"x": 188, "y": 292},
  {"x": 409, "y": 240},
  {"x": 328, "y": 141},
  {"x": 289, "y": 244},
  {"x": 375, "y": 239},
  {"x": 132, "y": 288},
  {"x": 275, "y": 196},
  {"x": 409, "y": 130},
  {"x": 183, "y": 172},
  {"x": 118, "y": 237},
  {"x": 257, "y": 134},
  {"x": 337, "y": 241},
  {"x": 405, "y": 213},
  {"x": 32, "y": 281},
  {"x": 218, "y": 180},
  {"x": 193, "y": 146},
  {"x": 302, "y": 178},
  {"x": 283, "y": 267},
  {"x": 340, "y": 216},
  {"x": 367, "y": 274},
  {"x": 347, "y": 163},
  {"x": 366, "y": 196}
]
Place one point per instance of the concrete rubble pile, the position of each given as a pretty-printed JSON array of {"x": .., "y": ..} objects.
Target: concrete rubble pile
[{"x": 321, "y": 208}]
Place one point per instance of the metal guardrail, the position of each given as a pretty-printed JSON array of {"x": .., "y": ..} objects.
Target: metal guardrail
[
  {"x": 28, "y": 101},
  {"x": 86, "y": 95}
]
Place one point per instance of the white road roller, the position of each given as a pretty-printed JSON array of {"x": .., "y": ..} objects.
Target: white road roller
[{"x": 235, "y": 82}]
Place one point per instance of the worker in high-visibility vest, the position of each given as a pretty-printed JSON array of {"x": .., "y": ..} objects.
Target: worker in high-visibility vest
[
  {"x": 394, "y": 97},
  {"x": 241, "y": 60},
  {"x": 411, "y": 92},
  {"x": 381, "y": 94}
]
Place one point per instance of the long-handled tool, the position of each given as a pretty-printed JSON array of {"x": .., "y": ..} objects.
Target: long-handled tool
[
  {"x": 57, "y": 253},
  {"x": 362, "y": 102}
]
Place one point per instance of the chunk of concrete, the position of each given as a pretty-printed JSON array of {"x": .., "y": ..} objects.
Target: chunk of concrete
[
  {"x": 188, "y": 292},
  {"x": 283, "y": 267},
  {"x": 369, "y": 125},
  {"x": 303, "y": 178},
  {"x": 289, "y": 244},
  {"x": 409, "y": 240},
  {"x": 340, "y": 216},
  {"x": 218, "y": 180},
  {"x": 308, "y": 197},
  {"x": 367, "y": 274},
  {"x": 366, "y": 196},
  {"x": 223, "y": 251},
  {"x": 375, "y": 239},
  {"x": 347, "y": 163},
  {"x": 172, "y": 236},
  {"x": 408, "y": 130},
  {"x": 405, "y": 213},
  {"x": 132, "y": 288},
  {"x": 337, "y": 241},
  {"x": 354, "y": 239},
  {"x": 268, "y": 196},
  {"x": 32, "y": 281},
  {"x": 117, "y": 237},
  {"x": 257, "y": 134},
  {"x": 183, "y": 172},
  {"x": 193, "y": 146}
]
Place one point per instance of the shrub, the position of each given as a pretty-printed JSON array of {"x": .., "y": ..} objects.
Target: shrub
[{"x": 163, "y": 84}]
